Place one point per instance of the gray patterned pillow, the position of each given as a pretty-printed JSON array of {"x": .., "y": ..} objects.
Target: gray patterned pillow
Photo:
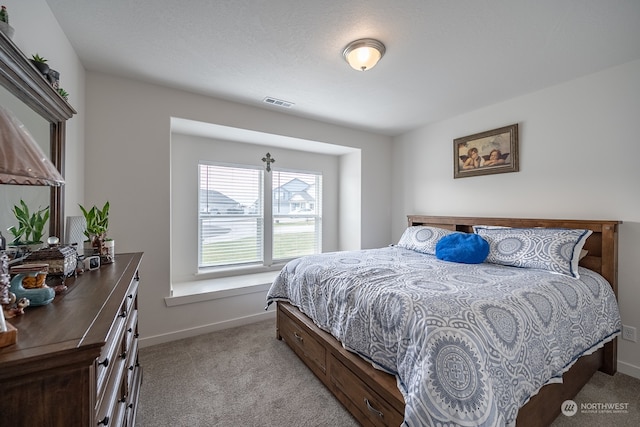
[
  {"x": 422, "y": 238},
  {"x": 553, "y": 249}
]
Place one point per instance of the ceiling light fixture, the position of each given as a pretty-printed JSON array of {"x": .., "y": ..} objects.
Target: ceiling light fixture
[{"x": 363, "y": 54}]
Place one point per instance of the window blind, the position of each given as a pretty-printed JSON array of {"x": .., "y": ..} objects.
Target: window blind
[{"x": 230, "y": 215}]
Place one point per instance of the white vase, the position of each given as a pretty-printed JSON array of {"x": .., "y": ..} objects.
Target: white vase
[{"x": 7, "y": 29}]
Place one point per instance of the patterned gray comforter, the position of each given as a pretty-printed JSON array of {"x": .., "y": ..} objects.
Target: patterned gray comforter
[{"x": 469, "y": 344}]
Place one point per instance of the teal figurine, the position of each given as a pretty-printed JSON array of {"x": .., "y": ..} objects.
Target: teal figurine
[{"x": 37, "y": 296}]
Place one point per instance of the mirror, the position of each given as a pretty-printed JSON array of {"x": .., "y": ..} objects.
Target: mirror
[
  {"x": 35, "y": 197},
  {"x": 28, "y": 92}
]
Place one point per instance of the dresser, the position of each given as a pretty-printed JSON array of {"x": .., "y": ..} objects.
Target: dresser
[{"x": 76, "y": 359}]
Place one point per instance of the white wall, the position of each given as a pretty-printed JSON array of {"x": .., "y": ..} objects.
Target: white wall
[
  {"x": 37, "y": 31},
  {"x": 128, "y": 163},
  {"x": 578, "y": 159},
  {"x": 350, "y": 206}
]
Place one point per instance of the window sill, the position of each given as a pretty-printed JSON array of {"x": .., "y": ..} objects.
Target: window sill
[{"x": 224, "y": 287}]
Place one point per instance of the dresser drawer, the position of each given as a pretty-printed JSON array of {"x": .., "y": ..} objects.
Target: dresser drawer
[
  {"x": 131, "y": 301},
  {"x": 110, "y": 355},
  {"x": 113, "y": 376},
  {"x": 376, "y": 410},
  {"x": 304, "y": 344},
  {"x": 132, "y": 352}
]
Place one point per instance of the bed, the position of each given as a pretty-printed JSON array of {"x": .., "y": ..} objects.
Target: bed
[{"x": 481, "y": 363}]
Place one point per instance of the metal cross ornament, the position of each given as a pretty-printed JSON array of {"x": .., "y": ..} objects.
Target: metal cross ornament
[{"x": 268, "y": 160}]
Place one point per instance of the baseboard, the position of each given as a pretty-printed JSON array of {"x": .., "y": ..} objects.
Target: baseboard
[
  {"x": 629, "y": 369},
  {"x": 205, "y": 329}
]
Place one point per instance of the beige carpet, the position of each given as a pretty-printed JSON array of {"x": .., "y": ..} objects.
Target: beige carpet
[
  {"x": 245, "y": 377},
  {"x": 606, "y": 401}
]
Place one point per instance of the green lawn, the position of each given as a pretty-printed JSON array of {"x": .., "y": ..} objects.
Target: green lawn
[{"x": 286, "y": 245}]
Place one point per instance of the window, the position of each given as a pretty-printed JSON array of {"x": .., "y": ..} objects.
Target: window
[
  {"x": 297, "y": 202},
  {"x": 247, "y": 217}
]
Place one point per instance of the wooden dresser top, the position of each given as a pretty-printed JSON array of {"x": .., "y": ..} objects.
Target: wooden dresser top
[{"x": 79, "y": 318}]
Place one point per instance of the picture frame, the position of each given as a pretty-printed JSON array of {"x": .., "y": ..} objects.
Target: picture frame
[{"x": 486, "y": 153}]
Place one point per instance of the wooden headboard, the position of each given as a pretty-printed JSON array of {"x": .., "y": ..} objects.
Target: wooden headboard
[{"x": 602, "y": 244}]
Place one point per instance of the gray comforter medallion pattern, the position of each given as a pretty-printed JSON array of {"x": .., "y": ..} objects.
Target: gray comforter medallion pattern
[{"x": 468, "y": 344}]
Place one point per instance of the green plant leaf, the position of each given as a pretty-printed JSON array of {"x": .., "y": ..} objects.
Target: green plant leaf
[
  {"x": 97, "y": 222},
  {"x": 31, "y": 226},
  {"x": 38, "y": 58}
]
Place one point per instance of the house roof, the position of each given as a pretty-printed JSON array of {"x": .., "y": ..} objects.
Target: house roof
[
  {"x": 214, "y": 197},
  {"x": 295, "y": 185}
]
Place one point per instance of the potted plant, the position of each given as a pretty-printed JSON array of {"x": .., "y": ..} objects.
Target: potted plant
[
  {"x": 30, "y": 226},
  {"x": 4, "y": 22},
  {"x": 63, "y": 93},
  {"x": 40, "y": 63},
  {"x": 96, "y": 233}
]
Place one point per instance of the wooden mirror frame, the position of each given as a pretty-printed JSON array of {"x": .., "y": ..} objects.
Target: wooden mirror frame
[{"x": 23, "y": 80}]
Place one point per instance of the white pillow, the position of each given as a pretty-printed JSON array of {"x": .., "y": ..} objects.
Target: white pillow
[
  {"x": 422, "y": 238},
  {"x": 553, "y": 249}
]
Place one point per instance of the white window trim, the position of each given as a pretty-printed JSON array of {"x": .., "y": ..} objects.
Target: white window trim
[{"x": 224, "y": 287}]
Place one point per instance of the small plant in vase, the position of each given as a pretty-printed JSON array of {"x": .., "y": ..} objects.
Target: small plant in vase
[
  {"x": 96, "y": 233},
  {"x": 4, "y": 15},
  {"x": 30, "y": 226},
  {"x": 63, "y": 93},
  {"x": 40, "y": 63},
  {"x": 4, "y": 22}
]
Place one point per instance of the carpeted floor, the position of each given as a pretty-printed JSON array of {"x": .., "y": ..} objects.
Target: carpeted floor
[
  {"x": 236, "y": 377},
  {"x": 245, "y": 377}
]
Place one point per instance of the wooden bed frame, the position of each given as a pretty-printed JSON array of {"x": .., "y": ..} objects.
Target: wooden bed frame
[{"x": 372, "y": 396}]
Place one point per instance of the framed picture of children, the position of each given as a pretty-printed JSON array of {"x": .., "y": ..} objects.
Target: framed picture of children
[{"x": 485, "y": 153}]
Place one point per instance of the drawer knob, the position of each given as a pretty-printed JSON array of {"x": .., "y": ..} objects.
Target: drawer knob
[
  {"x": 104, "y": 421},
  {"x": 372, "y": 409},
  {"x": 105, "y": 362},
  {"x": 298, "y": 337},
  {"x": 123, "y": 355},
  {"x": 123, "y": 314}
]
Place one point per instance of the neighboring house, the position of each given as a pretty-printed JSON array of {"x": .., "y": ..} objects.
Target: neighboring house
[
  {"x": 294, "y": 197},
  {"x": 215, "y": 202}
]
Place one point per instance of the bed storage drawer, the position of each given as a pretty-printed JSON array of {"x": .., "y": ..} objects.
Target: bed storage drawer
[
  {"x": 299, "y": 338},
  {"x": 375, "y": 409}
]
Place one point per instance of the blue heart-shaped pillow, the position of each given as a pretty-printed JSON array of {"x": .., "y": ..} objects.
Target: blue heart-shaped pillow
[{"x": 466, "y": 248}]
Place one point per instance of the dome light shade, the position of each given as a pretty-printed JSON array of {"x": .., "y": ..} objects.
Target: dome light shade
[
  {"x": 22, "y": 161},
  {"x": 363, "y": 54}
]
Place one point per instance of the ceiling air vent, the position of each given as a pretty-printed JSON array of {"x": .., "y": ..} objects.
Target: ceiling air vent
[{"x": 278, "y": 102}]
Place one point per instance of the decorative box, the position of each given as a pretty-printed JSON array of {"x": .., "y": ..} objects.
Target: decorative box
[{"x": 62, "y": 260}]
